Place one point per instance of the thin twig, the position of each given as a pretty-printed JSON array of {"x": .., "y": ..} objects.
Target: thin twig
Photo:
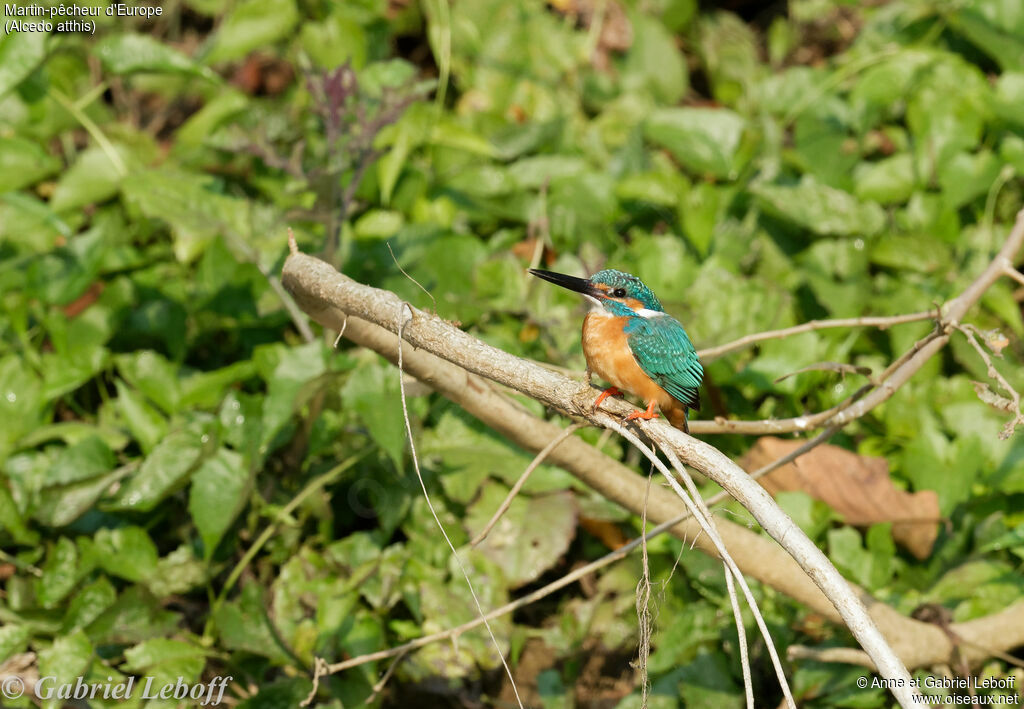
[
  {"x": 741, "y": 635},
  {"x": 320, "y": 669},
  {"x": 1014, "y": 274},
  {"x": 19, "y": 564},
  {"x": 429, "y": 294},
  {"x": 643, "y": 602},
  {"x": 793, "y": 454},
  {"x": 880, "y": 321},
  {"x": 534, "y": 464},
  {"x": 379, "y": 686},
  {"x": 1014, "y": 402},
  {"x": 845, "y": 655},
  {"x": 426, "y": 495}
]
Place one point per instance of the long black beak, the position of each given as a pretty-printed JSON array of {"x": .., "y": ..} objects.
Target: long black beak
[{"x": 580, "y": 285}]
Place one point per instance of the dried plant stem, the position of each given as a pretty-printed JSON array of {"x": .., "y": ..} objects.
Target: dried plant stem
[
  {"x": 1014, "y": 274},
  {"x": 534, "y": 464},
  {"x": 741, "y": 635},
  {"x": 643, "y": 603},
  {"x": 881, "y": 322},
  {"x": 969, "y": 332},
  {"x": 426, "y": 495},
  {"x": 379, "y": 686}
]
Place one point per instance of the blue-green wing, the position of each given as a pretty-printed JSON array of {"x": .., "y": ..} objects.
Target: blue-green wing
[{"x": 664, "y": 351}]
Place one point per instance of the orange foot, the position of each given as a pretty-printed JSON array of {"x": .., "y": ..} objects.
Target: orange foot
[
  {"x": 645, "y": 415},
  {"x": 610, "y": 391}
]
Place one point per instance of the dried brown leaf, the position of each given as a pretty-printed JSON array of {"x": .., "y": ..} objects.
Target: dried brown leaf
[{"x": 857, "y": 487}]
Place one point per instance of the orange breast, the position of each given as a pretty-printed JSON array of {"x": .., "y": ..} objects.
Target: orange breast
[{"x": 609, "y": 357}]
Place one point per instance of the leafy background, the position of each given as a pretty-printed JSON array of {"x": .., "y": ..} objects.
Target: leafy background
[{"x": 757, "y": 167}]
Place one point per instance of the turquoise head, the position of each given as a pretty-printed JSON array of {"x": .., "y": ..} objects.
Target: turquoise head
[{"x": 616, "y": 292}]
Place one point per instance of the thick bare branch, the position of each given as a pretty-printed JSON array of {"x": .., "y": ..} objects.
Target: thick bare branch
[{"x": 327, "y": 296}]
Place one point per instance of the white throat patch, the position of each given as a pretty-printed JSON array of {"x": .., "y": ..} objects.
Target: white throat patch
[{"x": 645, "y": 313}]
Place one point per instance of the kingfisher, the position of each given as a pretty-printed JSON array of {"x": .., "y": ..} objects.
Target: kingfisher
[{"x": 633, "y": 344}]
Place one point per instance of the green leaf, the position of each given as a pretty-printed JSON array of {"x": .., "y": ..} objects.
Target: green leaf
[
  {"x": 964, "y": 177},
  {"x": 729, "y": 49},
  {"x": 289, "y": 692},
  {"x": 146, "y": 655},
  {"x": 62, "y": 275},
  {"x": 447, "y": 605},
  {"x": 654, "y": 65},
  {"x": 812, "y": 516},
  {"x": 146, "y": 424},
  {"x": 372, "y": 392},
  {"x": 289, "y": 373},
  {"x": 206, "y": 390},
  {"x": 1003, "y": 44},
  {"x": 218, "y": 109},
  {"x": 219, "y": 492},
  {"x": 947, "y": 109},
  {"x": 29, "y": 222},
  {"x": 23, "y": 162},
  {"x": 166, "y": 660},
  {"x": 191, "y": 205},
  {"x": 13, "y": 639},
  {"x": 93, "y": 178},
  {"x": 20, "y": 54},
  {"x": 242, "y": 625},
  {"x": 251, "y": 24},
  {"x": 531, "y": 536},
  {"x": 165, "y": 470},
  {"x": 912, "y": 253},
  {"x": 154, "y": 376},
  {"x": 888, "y": 181},
  {"x": 378, "y": 224},
  {"x": 707, "y": 682},
  {"x": 820, "y": 209},
  {"x": 86, "y": 459},
  {"x": 126, "y": 552},
  {"x": 11, "y": 519},
  {"x": 333, "y": 41},
  {"x": 133, "y": 53},
  {"x": 59, "y": 573},
  {"x": 951, "y": 474},
  {"x": 177, "y": 573},
  {"x": 978, "y": 587},
  {"x": 88, "y": 604},
  {"x": 61, "y": 505},
  {"x": 704, "y": 140},
  {"x": 133, "y": 617},
  {"x": 468, "y": 453},
  {"x": 67, "y": 659}
]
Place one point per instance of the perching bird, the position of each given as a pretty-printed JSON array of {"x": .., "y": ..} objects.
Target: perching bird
[{"x": 633, "y": 344}]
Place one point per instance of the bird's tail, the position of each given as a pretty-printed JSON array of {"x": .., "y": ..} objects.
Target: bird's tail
[{"x": 676, "y": 416}]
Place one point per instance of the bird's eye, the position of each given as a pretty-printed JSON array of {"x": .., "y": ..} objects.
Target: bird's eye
[{"x": 619, "y": 293}]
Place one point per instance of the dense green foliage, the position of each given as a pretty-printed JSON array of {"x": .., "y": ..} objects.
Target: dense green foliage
[{"x": 160, "y": 408}]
